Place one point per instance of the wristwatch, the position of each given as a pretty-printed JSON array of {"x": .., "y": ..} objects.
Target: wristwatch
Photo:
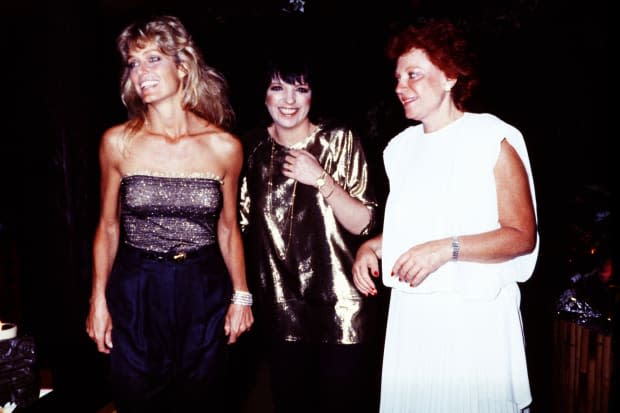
[{"x": 320, "y": 181}]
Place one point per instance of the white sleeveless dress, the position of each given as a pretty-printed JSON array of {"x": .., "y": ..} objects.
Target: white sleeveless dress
[{"x": 454, "y": 343}]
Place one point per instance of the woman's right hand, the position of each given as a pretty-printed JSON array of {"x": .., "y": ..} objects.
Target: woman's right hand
[
  {"x": 239, "y": 319},
  {"x": 366, "y": 264},
  {"x": 99, "y": 326}
]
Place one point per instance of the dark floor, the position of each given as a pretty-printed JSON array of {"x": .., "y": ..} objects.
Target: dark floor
[
  {"x": 550, "y": 389},
  {"x": 259, "y": 397}
]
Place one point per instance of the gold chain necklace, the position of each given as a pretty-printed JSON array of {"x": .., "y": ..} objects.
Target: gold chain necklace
[{"x": 291, "y": 208}]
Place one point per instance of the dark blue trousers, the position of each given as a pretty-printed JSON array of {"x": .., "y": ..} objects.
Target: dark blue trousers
[{"x": 169, "y": 349}]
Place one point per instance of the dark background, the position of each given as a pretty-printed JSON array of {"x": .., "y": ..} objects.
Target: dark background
[{"x": 544, "y": 69}]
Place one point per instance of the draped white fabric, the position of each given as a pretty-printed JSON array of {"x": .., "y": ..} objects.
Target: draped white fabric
[{"x": 455, "y": 343}]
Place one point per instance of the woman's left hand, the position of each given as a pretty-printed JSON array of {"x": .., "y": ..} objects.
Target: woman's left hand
[
  {"x": 302, "y": 166},
  {"x": 238, "y": 320},
  {"x": 418, "y": 262}
]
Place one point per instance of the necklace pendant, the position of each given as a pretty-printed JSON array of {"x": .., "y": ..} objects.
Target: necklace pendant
[{"x": 290, "y": 214}]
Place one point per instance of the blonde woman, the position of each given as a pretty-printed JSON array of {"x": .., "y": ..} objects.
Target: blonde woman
[{"x": 169, "y": 286}]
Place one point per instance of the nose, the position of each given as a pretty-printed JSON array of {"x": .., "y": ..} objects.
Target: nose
[
  {"x": 289, "y": 97},
  {"x": 400, "y": 85},
  {"x": 142, "y": 68}
]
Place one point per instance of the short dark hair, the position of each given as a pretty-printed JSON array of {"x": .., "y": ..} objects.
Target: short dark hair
[
  {"x": 290, "y": 67},
  {"x": 295, "y": 67}
]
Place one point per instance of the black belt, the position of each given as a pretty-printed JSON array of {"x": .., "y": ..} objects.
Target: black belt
[{"x": 170, "y": 256}]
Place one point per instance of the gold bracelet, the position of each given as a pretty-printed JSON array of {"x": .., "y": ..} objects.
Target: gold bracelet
[
  {"x": 330, "y": 192},
  {"x": 320, "y": 181}
]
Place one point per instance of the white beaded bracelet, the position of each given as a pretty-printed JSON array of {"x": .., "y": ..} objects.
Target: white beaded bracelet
[{"x": 242, "y": 298}]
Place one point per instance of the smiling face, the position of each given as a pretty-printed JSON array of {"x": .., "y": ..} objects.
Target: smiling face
[
  {"x": 422, "y": 88},
  {"x": 153, "y": 74},
  {"x": 288, "y": 104}
]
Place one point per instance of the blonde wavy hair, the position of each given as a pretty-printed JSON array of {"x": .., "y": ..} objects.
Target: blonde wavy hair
[{"x": 205, "y": 90}]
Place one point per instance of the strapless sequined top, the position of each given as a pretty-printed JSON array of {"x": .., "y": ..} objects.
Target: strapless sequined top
[{"x": 166, "y": 214}]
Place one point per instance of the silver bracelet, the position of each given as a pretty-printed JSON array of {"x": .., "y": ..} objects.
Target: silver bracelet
[
  {"x": 241, "y": 298},
  {"x": 456, "y": 248}
]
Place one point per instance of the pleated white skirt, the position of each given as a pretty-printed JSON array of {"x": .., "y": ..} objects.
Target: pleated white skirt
[{"x": 448, "y": 354}]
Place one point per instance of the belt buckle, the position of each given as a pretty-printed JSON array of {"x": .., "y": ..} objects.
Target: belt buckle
[{"x": 179, "y": 256}]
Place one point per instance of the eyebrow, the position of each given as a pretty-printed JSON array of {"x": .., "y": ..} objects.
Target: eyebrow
[{"x": 148, "y": 49}]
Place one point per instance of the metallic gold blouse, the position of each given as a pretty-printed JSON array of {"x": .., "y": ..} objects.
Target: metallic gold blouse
[{"x": 299, "y": 257}]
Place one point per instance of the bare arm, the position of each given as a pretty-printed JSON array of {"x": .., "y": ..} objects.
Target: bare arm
[
  {"x": 350, "y": 212},
  {"x": 239, "y": 317},
  {"x": 99, "y": 323},
  {"x": 517, "y": 233},
  {"x": 515, "y": 236}
]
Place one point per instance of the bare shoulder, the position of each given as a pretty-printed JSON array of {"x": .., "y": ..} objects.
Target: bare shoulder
[
  {"x": 225, "y": 151},
  {"x": 115, "y": 132},
  {"x": 113, "y": 135},
  {"x": 111, "y": 144},
  {"x": 508, "y": 155},
  {"x": 227, "y": 141},
  {"x": 222, "y": 143}
]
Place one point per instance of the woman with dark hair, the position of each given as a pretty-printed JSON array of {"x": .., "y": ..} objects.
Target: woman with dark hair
[
  {"x": 306, "y": 206},
  {"x": 459, "y": 234},
  {"x": 169, "y": 275}
]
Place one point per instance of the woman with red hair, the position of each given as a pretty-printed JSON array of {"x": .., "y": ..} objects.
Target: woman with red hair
[{"x": 459, "y": 233}]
